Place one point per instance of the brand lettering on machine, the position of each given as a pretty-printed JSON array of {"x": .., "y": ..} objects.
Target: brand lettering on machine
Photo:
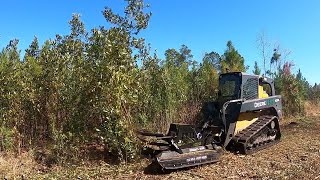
[
  {"x": 199, "y": 158},
  {"x": 259, "y": 104}
]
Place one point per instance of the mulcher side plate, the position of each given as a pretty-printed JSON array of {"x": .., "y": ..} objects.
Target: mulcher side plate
[{"x": 190, "y": 157}]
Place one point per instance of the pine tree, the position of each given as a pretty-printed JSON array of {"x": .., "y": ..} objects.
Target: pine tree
[
  {"x": 231, "y": 60},
  {"x": 257, "y": 70}
]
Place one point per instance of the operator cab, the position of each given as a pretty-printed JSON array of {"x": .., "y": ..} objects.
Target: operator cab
[{"x": 238, "y": 85}]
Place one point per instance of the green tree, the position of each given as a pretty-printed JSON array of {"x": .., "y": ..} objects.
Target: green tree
[
  {"x": 116, "y": 74},
  {"x": 304, "y": 85},
  {"x": 232, "y": 60},
  {"x": 33, "y": 50},
  {"x": 154, "y": 99},
  {"x": 178, "y": 79},
  {"x": 214, "y": 59},
  {"x": 291, "y": 90},
  {"x": 207, "y": 78},
  {"x": 11, "y": 116},
  {"x": 257, "y": 70},
  {"x": 275, "y": 61}
]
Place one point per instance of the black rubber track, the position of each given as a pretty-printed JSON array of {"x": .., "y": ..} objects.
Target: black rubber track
[{"x": 247, "y": 135}]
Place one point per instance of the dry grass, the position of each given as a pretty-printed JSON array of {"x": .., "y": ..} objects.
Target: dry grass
[
  {"x": 12, "y": 166},
  {"x": 297, "y": 156},
  {"x": 312, "y": 109}
]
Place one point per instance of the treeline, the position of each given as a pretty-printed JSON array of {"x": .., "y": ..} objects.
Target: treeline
[
  {"x": 99, "y": 86},
  {"x": 313, "y": 93}
]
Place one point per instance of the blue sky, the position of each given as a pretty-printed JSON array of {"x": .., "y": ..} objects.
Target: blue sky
[{"x": 203, "y": 26}]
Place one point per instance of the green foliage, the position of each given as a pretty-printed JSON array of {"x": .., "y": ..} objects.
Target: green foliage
[
  {"x": 293, "y": 90},
  {"x": 275, "y": 60},
  {"x": 10, "y": 94},
  {"x": 6, "y": 138},
  {"x": 257, "y": 70},
  {"x": 206, "y": 81},
  {"x": 313, "y": 93},
  {"x": 76, "y": 84},
  {"x": 166, "y": 87},
  {"x": 86, "y": 87},
  {"x": 65, "y": 148},
  {"x": 231, "y": 60},
  {"x": 292, "y": 94}
]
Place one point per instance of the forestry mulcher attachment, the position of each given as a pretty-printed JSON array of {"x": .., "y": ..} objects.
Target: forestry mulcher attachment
[{"x": 244, "y": 119}]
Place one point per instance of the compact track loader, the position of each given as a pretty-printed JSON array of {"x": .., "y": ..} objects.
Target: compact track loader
[{"x": 244, "y": 119}]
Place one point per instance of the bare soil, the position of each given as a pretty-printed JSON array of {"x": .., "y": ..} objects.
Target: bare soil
[{"x": 297, "y": 156}]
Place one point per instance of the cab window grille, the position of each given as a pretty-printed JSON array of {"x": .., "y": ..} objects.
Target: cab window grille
[{"x": 250, "y": 89}]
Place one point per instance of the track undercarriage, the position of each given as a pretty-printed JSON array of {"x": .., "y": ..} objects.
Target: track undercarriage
[{"x": 259, "y": 135}]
